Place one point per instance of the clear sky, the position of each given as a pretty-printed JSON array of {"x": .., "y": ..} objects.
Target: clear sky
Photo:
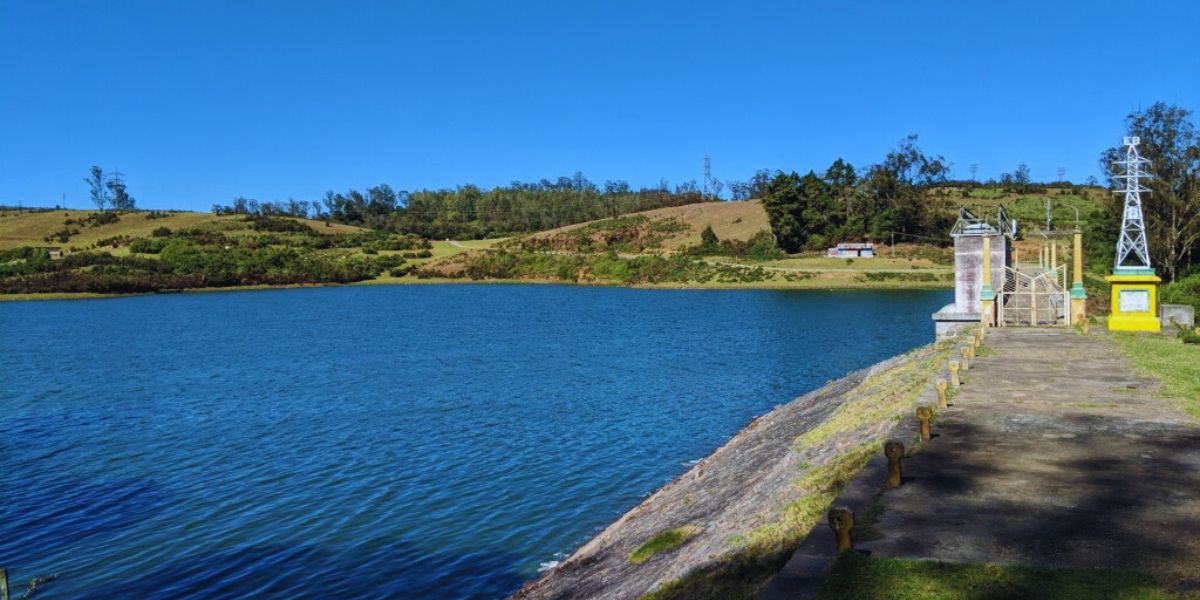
[{"x": 199, "y": 102}]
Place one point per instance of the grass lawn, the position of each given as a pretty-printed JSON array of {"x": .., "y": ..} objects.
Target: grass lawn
[
  {"x": 856, "y": 577},
  {"x": 1175, "y": 364}
]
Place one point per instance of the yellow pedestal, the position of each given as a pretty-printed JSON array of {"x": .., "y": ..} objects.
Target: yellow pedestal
[
  {"x": 1078, "y": 310},
  {"x": 1134, "y": 302}
]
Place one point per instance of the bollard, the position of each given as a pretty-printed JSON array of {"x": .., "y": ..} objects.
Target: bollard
[
  {"x": 965, "y": 365},
  {"x": 924, "y": 415},
  {"x": 978, "y": 337},
  {"x": 894, "y": 451},
  {"x": 841, "y": 521},
  {"x": 940, "y": 386},
  {"x": 953, "y": 366},
  {"x": 971, "y": 347},
  {"x": 1085, "y": 324}
]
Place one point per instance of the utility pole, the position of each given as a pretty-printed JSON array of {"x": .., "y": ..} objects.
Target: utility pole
[{"x": 707, "y": 176}]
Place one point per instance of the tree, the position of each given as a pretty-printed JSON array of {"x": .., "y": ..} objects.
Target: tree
[
  {"x": 708, "y": 237},
  {"x": 759, "y": 182},
  {"x": 739, "y": 190},
  {"x": 97, "y": 192},
  {"x": 897, "y": 191},
  {"x": 1168, "y": 139},
  {"x": 784, "y": 200},
  {"x": 1021, "y": 178},
  {"x": 842, "y": 182},
  {"x": 121, "y": 200}
]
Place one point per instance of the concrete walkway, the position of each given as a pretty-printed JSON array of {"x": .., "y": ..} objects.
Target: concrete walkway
[{"x": 1053, "y": 454}]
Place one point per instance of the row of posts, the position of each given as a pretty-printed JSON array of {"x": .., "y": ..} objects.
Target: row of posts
[{"x": 841, "y": 519}]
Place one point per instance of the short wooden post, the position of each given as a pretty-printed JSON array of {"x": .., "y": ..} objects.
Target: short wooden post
[
  {"x": 965, "y": 364},
  {"x": 894, "y": 451},
  {"x": 1085, "y": 324},
  {"x": 940, "y": 386},
  {"x": 924, "y": 415},
  {"x": 953, "y": 366},
  {"x": 841, "y": 521}
]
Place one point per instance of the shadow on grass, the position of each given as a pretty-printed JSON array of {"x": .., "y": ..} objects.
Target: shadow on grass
[{"x": 857, "y": 577}]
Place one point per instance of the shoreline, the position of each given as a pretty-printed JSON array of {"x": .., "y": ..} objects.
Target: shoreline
[
  {"x": 748, "y": 504},
  {"x": 803, "y": 285}
]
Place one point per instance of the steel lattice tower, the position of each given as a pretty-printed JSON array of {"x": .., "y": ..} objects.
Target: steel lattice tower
[{"x": 1133, "y": 254}]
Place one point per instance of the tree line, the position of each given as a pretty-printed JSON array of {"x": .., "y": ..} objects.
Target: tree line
[
  {"x": 900, "y": 194},
  {"x": 470, "y": 211}
]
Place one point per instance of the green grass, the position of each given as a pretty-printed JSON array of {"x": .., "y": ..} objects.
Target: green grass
[
  {"x": 758, "y": 555},
  {"x": 880, "y": 397},
  {"x": 1175, "y": 364},
  {"x": 661, "y": 542},
  {"x": 857, "y": 577}
]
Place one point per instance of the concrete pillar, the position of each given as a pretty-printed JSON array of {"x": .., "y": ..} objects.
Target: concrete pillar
[
  {"x": 1053, "y": 255},
  {"x": 987, "y": 296},
  {"x": 1078, "y": 295}
]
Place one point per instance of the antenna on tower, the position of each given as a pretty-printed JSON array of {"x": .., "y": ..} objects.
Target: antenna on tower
[
  {"x": 707, "y": 176},
  {"x": 1133, "y": 253}
]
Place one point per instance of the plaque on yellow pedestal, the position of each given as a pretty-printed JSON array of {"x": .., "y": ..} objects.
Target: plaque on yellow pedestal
[{"x": 1134, "y": 302}]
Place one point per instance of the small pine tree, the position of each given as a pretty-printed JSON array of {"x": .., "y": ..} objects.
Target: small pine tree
[{"x": 708, "y": 237}]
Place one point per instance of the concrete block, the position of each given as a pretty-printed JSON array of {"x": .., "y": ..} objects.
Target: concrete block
[{"x": 1184, "y": 315}]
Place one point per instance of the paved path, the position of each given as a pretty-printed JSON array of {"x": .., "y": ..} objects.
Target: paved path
[{"x": 1054, "y": 454}]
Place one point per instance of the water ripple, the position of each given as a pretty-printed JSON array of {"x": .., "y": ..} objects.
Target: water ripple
[{"x": 386, "y": 442}]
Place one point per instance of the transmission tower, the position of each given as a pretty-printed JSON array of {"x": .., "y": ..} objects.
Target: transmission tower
[
  {"x": 974, "y": 168},
  {"x": 707, "y": 175},
  {"x": 1062, "y": 174},
  {"x": 1133, "y": 253}
]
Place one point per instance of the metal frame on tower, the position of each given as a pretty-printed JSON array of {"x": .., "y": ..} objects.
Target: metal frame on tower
[
  {"x": 708, "y": 187},
  {"x": 1133, "y": 254}
]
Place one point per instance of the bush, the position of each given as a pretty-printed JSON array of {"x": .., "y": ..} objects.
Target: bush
[
  {"x": 101, "y": 218},
  {"x": 147, "y": 245},
  {"x": 277, "y": 224},
  {"x": 1183, "y": 291},
  {"x": 161, "y": 232}
]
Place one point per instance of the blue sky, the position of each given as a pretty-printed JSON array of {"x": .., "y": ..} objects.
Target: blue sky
[{"x": 198, "y": 102}]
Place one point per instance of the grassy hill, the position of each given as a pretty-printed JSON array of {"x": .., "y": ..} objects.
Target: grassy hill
[
  {"x": 660, "y": 247},
  {"x": 33, "y": 228},
  {"x": 140, "y": 251},
  {"x": 729, "y": 220}
]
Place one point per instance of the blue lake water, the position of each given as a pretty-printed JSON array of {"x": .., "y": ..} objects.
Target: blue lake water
[{"x": 391, "y": 441}]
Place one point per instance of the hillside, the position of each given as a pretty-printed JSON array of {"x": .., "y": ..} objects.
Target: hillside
[
  {"x": 124, "y": 252},
  {"x": 729, "y": 220},
  {"x": 139, "y": 251},
  {"x": 32, "y": 228}
]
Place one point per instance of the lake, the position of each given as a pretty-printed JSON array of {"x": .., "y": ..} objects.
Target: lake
[{"x": 436, "y": 441}]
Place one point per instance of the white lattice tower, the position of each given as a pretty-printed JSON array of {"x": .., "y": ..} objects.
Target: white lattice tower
[{"x": 1132, "y": 250}]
